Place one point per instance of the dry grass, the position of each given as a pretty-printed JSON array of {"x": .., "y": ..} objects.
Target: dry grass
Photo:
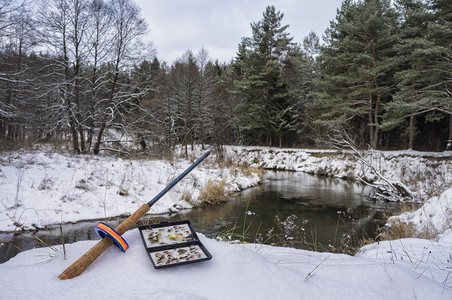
[
  {"x": 321, "y": 154},
  {"x": 213, "y": 193},
  {"x": 248, "y": 171},
  {"x": 186, "y": 196},
  {"x": 398, "y": 230}
]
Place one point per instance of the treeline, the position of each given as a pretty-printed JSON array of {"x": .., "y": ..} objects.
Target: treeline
[
  {"x": 77, "y": 71},
  {"x": 79, "y": 86},
  {"x": 385, "y": 73}
]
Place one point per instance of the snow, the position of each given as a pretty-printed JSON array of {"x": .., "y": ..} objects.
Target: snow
[
  {"x": 406, "y": 269},
  {"x": 39, "y": 189},
  {"x": 423, "y": 173},
  {"x": 435, "y": 215}
]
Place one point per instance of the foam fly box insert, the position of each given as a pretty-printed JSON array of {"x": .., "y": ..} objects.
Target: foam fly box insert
[{"x": 171, "y": 244}]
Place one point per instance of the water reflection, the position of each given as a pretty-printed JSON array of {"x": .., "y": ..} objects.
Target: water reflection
[
  {"x": 321, "y": 211},
  {"x": 327, "y": 212}
]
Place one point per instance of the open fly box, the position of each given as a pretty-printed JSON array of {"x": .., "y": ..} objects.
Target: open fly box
[{"x": 171, "y": 244}]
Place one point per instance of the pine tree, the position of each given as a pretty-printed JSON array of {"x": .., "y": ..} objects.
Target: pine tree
[
  {"x": 424, "y": 82},
  {"x": 410, "y": 78},
  {"x": 264, "y": 113},
  {"x": 357, "y": 67},
  {"x": 221, "y": 130},
  {"x": 311, "y": 46},
  {"x": 438, "y": 94}
]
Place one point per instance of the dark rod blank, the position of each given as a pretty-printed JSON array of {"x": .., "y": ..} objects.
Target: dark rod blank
[{"x": 179, "y": 178}]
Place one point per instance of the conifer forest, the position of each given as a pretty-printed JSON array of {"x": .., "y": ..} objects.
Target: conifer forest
[{"x": 78, "y": 73}]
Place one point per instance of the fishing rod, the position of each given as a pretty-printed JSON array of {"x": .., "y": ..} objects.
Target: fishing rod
[{"x": 89, "y": 257}]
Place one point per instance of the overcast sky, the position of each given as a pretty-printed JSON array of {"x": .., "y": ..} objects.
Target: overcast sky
[{"x": 218, "y": 25}]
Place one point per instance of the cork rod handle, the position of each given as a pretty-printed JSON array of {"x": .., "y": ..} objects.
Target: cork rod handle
[{"x": 89, "y": 257}]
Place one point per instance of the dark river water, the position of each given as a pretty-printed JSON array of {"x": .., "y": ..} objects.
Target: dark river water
[{"x": 289, "y": 209}]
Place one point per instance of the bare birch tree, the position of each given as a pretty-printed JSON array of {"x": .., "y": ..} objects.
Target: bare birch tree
[
  {"x": 128, "y": 28},
  {"x": 16, "y": 38},
  {"x": 63, "y": 31}
]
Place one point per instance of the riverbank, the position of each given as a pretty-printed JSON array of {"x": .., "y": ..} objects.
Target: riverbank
[
  {"x": 403, "y": 269},
  {"x": 426, "y": 176},
  {"x": 423, "y": 174},
  {"x": 42, "y": 188}
]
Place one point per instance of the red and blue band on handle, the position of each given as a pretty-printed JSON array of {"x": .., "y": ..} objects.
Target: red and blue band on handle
[{"x": 104, "y": 230}]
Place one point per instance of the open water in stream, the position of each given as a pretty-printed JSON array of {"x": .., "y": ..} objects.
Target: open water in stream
[{"x": 288, "y": 209}]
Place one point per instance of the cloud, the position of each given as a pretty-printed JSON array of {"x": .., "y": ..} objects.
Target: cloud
[{"x": 218, "y": 25}]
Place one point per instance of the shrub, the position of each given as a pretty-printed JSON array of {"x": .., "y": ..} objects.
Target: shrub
[{"x": 46, "y": 183}]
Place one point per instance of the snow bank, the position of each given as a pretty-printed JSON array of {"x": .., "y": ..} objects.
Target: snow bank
[
  {"x": 40, "y": 189},
  {"x": 432, "y": 219},
  {"x": 423, "y": 257},
  {"x": 409, "y": 269},
  {"x": 424, "y": 173}
]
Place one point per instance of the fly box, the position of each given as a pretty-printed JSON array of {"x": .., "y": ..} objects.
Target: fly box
[{"x": 171, "y": 244}]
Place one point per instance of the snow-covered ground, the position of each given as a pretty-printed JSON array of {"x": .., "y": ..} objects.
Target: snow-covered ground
[
  {"x": 403, "y": 269},
  {"x": 41, "y": 189},
  {"x": 432, "y": 220}
]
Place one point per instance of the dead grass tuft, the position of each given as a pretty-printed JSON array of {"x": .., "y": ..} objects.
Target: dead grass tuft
[
  {"x": 247, "y": 170},
  {"x": 186, "y": 196},
  {"x": 398, "y": 230},
  {"x": 213, "y": 193}
]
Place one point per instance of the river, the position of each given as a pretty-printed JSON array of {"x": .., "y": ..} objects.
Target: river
[{"x": 290, "y": 209}]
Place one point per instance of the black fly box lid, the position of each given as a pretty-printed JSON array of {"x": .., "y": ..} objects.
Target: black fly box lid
[{"x": 171, "y": 244}]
